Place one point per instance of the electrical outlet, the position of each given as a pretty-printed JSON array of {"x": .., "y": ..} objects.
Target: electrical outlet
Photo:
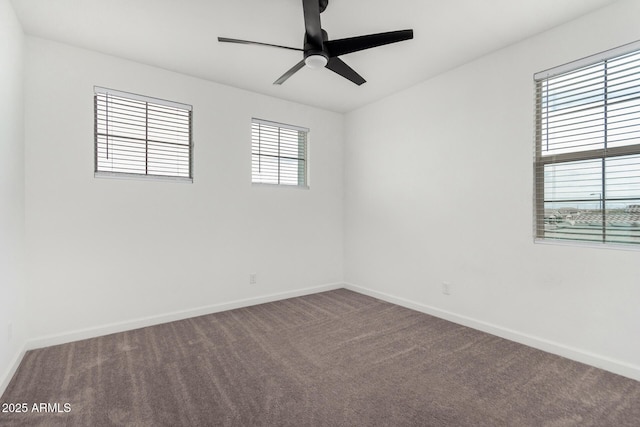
[
  {"x": 446, "y": 288},
  {"x": 253, "y": 278}
]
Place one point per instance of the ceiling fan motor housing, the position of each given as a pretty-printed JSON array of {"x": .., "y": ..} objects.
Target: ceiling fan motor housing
[{"x": 315, "y": 56}]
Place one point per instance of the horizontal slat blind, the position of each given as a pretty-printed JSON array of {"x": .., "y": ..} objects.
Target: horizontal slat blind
[
  {"x": 587, "y": 157},
  {"x": 278, "y": 153},
  {"x": 141, "y": 136}
]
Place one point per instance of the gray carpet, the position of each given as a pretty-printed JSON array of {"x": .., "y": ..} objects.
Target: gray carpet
[{"x": 336, "y": 358}]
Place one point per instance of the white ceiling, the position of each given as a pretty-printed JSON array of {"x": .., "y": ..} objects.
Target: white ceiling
[{"x": 181, "y": 35}]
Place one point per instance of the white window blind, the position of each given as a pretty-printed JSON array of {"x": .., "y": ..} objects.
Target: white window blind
[
  {"x": 278, "y": 153},
  {"x": 587, "y": 149},
  {"x": 141, "y": 136}
]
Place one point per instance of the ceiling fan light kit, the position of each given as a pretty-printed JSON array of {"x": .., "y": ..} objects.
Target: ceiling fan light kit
[
  {"x": 321, "y": 52},
  {"x": 316, "y": 61}
]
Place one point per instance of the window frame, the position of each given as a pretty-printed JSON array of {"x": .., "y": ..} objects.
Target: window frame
[
  {"x": 99, "y": 123},
  {"x": 578, "y": 155},
  {"x": 302, "y": 177}
]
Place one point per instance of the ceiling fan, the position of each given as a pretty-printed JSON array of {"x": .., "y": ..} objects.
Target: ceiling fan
[{"x": 320, "y": 52}]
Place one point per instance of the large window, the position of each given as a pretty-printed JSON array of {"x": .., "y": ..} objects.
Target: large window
[
  {"x": 140, "y": 136},
  {"x": 587, "y": 153},
  {"x": 278, "y": 153}
]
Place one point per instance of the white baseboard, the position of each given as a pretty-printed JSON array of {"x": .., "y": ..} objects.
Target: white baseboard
[
  {"x": 13, "y": 367},
  {"x": 170, "y": 317},
  {"x": 615, "y": 366},
  {"x": 128, "y": 325},
  {"x": 579, "y": 355}
]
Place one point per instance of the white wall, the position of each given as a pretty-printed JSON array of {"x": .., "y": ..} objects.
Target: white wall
[
  {"x": 12, "y": 234},
  {"x": 105, "y": 253},
  {"x": 439, "y": 187}
]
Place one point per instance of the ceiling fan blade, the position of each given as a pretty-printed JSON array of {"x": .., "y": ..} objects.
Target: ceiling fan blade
[
  {"x": 289, "y": 73},
  {"x": 311, "y": 10},
  {"x": 338, "y": 66},
  {"x": 354, "y": 44},
  {"x": 228, "y": 40}
]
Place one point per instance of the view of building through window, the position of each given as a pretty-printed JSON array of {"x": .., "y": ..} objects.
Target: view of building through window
[{"x": 588, "y": 153}]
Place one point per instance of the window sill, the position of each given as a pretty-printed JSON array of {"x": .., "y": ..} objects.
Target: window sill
[
  {"x": 264, "y": 184},
  {"x": 139, "y": 177},
  {"x": 593, "y": 245}
]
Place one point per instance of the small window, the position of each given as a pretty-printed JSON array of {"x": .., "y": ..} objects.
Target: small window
[
  {"x": 278, "y": 153},
  {"x": 140, "y": 136},
  {"x": 587, "y": 149}
]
